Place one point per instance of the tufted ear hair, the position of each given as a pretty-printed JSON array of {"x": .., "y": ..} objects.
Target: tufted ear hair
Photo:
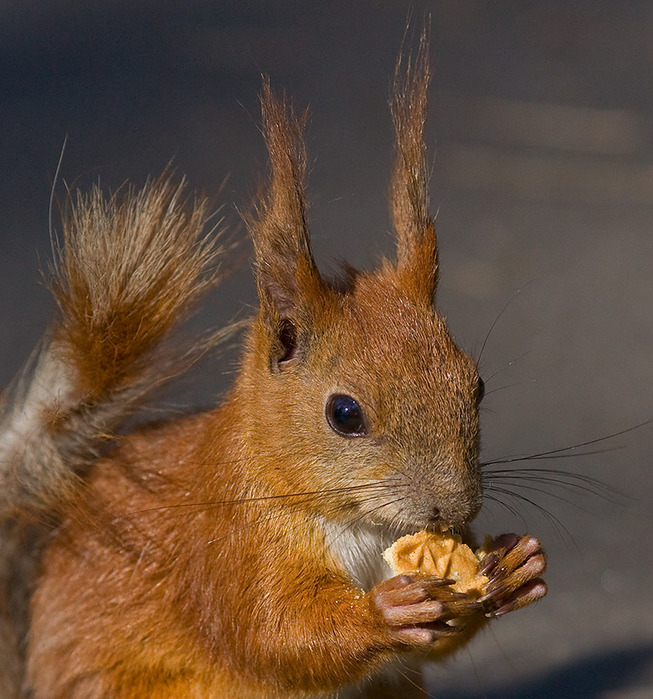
[
  {"x": 287, "y": 277},
  {"x": 417, "y": 250}
]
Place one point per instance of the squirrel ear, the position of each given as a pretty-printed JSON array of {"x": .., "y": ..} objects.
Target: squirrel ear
[
  {"x": 417, "y": 250},
  {"x": 287, "y": 275}
]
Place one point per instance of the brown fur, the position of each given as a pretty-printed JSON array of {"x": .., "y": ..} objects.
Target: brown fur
[
  {"x": 129, "y": 270},
  {"x": 221, "y": 555}
]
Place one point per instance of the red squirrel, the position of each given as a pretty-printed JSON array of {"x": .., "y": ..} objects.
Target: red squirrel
[{"x": 237, "y": 552}]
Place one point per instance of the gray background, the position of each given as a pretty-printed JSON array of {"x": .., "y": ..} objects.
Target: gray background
[{"x": 543, "y": 178}]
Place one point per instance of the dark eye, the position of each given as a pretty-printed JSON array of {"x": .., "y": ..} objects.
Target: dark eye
[
  {"x": 345, "y": 416},
  {"x": 480, "y": 390}
]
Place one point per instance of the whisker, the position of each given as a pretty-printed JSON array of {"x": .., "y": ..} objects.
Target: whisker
[
  {"x": 367, "y": 513},
  {"x": 562, "y": 531},
  {"x": 53, "y": 237},
  {"x": 260, "y": 521},
  {"x": 512, "y": 362},
  {"x": 489, "y": 497},
  {"x": 535, "y": 489},
  {"x": 269, "y": 517},
  {"x": 545, "y": 456},
  {"x": 309, "y": 495},
  {"x": 278, "y": 514},
  {"x": 404, "y": 673},
  {"x": 561, "y": 451},
  {"x": 570, "y": 481},
  {"x": 496, "y": 320},
  {"x": 504, "y": 387}
]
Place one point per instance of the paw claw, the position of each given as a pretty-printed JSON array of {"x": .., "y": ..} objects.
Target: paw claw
[
  {"x": 514, "y": 575},
  {"x": 418, "y": 609},
  {"x": 493, "y": 591},
  {"x": 488, "y": 564}
]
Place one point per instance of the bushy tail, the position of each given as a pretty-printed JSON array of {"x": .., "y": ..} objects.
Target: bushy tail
[{"x": 129, "y": 270}]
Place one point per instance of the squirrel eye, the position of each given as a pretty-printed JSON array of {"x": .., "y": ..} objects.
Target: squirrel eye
[
  {"x": 345, "y": 416},
  {"x": 480, "y": 390}
]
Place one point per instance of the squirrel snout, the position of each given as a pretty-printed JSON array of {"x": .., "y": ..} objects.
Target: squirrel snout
[
  {"x": 456, "y": 511},
  {"x": 444, "y": 498},
  {"x": 463, "y": 510}
]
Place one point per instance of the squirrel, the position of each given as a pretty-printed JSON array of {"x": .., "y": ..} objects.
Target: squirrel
[{"x": 236, "y": 552}]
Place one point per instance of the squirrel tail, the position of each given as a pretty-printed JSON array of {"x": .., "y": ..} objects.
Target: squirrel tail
[
  {"x": 129, "y": 271},
  {"x": 130, "y": 268}
]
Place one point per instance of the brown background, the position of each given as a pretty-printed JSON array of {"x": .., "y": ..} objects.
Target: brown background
[{"x": 543, "y": 179}]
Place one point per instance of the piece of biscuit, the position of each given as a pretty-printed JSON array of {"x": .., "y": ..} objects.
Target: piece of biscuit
[{"x": 441, "y": 554}]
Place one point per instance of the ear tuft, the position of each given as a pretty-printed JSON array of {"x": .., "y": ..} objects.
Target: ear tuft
[
  {"x": 416, "y": 240},
  {"x": 286, "y": 272}
]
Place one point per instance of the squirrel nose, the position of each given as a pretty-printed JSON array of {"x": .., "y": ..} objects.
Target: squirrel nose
[{"x": 435, "y": 515}]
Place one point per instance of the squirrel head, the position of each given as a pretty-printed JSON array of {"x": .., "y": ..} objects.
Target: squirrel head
[{"x": 357, "y": 402}]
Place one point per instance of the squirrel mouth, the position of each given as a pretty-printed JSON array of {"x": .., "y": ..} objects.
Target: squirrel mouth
[{"x": 439, "y": 526}]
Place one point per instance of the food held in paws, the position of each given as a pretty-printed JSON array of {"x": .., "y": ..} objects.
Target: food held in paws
[{"x": 441, "y": 554}]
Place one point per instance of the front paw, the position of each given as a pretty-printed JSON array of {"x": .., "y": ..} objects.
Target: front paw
[
  {"x": 417, "y": 610},
  {"x": 513, "y": 565}
]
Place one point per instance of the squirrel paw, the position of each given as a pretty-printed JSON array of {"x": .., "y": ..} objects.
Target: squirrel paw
[
  {"x": 415, "y": 608},
  {"x": 513, "y": 565}
]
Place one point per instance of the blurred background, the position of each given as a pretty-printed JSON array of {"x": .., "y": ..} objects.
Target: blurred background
[{"x": 541, "y": 136}]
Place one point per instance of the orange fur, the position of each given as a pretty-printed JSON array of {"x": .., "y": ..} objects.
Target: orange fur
[{"x": 224, "y": 554}]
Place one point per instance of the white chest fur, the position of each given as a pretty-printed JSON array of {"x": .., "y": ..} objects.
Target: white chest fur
[{"x": 359, "y": 546}]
